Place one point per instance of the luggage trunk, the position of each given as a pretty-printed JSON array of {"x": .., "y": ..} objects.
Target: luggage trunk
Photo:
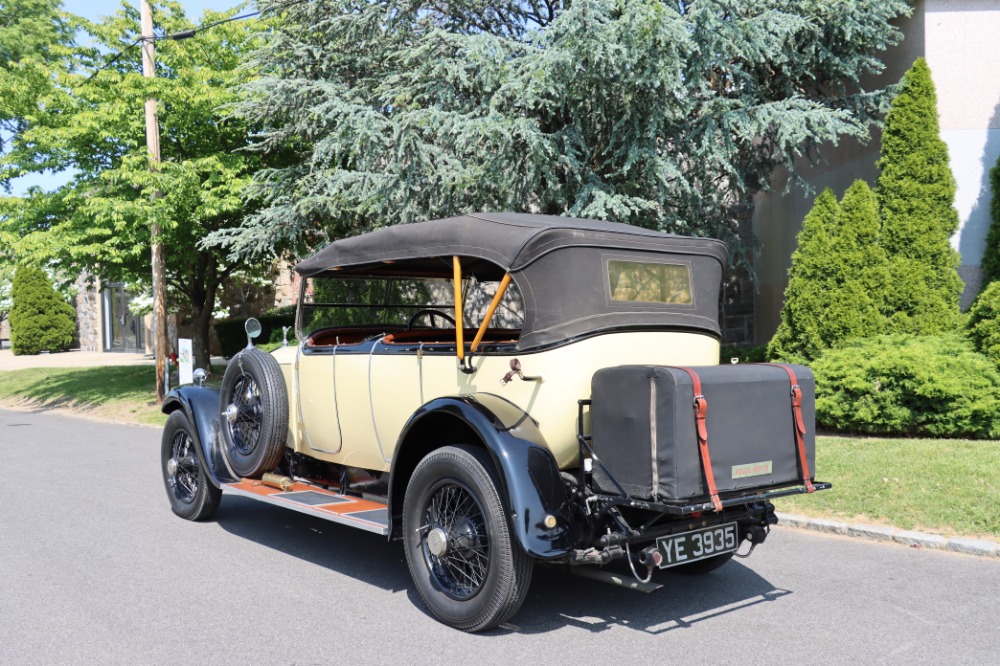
[{"x": 644, "y": 431}]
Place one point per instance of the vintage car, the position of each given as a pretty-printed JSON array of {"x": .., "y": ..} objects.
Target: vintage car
[{"x": 502, "y": 389}]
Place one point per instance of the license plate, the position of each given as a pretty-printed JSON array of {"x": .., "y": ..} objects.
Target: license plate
[{"x": 697, "y": 544}]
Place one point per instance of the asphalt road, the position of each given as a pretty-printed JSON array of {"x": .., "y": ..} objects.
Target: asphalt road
[{"x": 95, "y": 569}]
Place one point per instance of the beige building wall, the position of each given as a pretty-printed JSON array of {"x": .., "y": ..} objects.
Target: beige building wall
[
  {"x": 963, "y": 52},
  {"x": 958, "y": 39}
]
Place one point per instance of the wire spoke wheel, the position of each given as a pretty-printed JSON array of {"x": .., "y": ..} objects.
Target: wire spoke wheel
[
  {"x": 254, "y": 402},
  {"x": 466, "y": 564},
  {"x": 191, "y": 493},
  {"x": 182, "y": 469},
  {"x": 460, "y": 570},
  {"x": 244, "y": 408}
]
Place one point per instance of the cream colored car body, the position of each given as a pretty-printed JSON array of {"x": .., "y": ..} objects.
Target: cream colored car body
[{"x": 350, "y": 408}]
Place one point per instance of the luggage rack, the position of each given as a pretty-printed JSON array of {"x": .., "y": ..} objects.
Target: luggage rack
[{"x": 675, "y": 509}]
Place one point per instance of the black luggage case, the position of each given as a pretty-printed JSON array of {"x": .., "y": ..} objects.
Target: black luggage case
[{"x": 643, "y": 429}]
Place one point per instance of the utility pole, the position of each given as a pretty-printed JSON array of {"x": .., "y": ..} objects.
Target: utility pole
[{"x": 153, "y": 147}]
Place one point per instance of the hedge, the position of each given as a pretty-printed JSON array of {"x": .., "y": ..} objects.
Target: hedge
[
  {"x": 984, "y": 322},
  {"x": 232, "y": 336},
  {"x": 901, "y": 384}
]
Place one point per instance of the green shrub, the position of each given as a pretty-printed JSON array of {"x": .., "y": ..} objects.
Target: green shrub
[
  {"x": 984, "y": 322},
  {"x": 39, "y": 319},
  {"x": 756, "y": 354},
  {"x": 909, "y": 385},
  {"x": 233, "y": 337}
]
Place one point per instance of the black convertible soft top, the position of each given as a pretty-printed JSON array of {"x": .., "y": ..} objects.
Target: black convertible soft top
[{"x": 560, "y": 265}]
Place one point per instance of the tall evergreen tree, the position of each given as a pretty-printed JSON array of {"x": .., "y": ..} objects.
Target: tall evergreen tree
[
  {"x": 801, "y": 334},
  {"x": 864, "y": 265},
  {"x": 669, "y": 115},
  {"x": 991, "y": 254},
  {"x": 837, "y": 277},
  {"x": 916, "y": 194}
]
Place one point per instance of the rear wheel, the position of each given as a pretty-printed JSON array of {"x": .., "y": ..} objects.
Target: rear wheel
[
  {"x": 254, "y": 413},
  {"x": 467, "y": 566},
  {"x": 192, "y": 495}
]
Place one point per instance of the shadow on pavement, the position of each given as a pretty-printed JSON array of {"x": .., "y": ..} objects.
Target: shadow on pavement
[
  {"x": 556, "y": 598},
  {"x": 367, "y": 557}
]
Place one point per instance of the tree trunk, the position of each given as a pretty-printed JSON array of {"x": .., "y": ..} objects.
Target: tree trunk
[{"x": 201, "y": 321}]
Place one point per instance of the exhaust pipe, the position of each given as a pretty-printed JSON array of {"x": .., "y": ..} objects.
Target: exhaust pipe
[{"x": 614, "y": 579}]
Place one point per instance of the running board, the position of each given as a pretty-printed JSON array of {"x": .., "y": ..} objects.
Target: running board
[{"x": 320, "y": 502}]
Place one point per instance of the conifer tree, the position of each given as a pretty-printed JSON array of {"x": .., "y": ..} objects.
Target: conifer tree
[
  {"x": 800, "y": 334},
  {"x": 916, "y": 194},
  {"x": 837, "y": 275},
  {"x": 991, "y": 254},
  {"x": 39, "y": 319},
  {"x": 863, "y": 263},
  {"x": 668, "y": 115}
]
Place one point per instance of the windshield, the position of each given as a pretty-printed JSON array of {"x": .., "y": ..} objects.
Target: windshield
[{"x": 392, "y": 302}]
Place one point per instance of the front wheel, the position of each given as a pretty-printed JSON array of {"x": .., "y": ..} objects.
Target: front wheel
[
  {"x": 192, "y": 495},
  {"x": 467, "y": 566}
]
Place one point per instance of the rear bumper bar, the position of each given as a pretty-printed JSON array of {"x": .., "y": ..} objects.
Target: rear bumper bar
[{"x": 730, "y": 501}]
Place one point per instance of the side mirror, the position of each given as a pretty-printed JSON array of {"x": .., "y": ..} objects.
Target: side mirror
[{"x": 252, "y": 327}]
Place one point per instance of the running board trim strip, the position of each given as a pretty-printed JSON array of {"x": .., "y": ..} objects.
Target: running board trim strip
[{"x": 312, "y": 500}]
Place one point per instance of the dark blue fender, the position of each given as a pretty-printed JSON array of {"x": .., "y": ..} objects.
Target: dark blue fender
[
  {"x": 201, "y": 405},
  {"x": 531, "y": 487}
]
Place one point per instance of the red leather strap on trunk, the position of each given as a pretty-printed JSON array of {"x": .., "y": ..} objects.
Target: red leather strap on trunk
[
  {"x": 800, "y": 427},
  {"x": 700, "y": 411}
]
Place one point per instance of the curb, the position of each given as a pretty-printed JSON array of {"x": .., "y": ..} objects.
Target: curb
[{"x": 978, "y": 547}]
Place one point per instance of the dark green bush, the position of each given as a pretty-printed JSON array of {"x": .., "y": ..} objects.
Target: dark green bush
[
  {"x": 39, "y": 319},
  {"x": 233, "y": 337},
  {"x": 908, "y": 385},
  {"x": 984, "y": 322},
  {"x": 756, "y": 354}
]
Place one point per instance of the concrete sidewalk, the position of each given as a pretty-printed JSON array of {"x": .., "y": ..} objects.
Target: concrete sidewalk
[{"x": 71, "y": 359}]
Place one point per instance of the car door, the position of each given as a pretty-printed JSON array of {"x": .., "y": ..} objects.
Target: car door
[
  {"x": 395, "y": 390},
  {"x": 317, "y": 400}
]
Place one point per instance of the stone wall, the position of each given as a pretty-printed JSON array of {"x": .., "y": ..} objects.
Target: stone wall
[{"x": 88, "y": 313}]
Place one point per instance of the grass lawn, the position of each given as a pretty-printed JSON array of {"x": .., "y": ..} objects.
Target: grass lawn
[
  {"x": 945, "y": 486},
  {"x": 125, "y": 394}
]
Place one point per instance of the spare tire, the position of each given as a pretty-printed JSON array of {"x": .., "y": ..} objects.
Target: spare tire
[{"x": 254, "y": 413}]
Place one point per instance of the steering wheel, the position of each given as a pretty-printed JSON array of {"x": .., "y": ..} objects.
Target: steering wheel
[{"x": 430, "y": 313}]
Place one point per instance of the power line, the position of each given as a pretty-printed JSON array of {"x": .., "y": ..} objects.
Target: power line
[
  {"x": 187, "y": 34},
  {"x": 182, "y": 34}
]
